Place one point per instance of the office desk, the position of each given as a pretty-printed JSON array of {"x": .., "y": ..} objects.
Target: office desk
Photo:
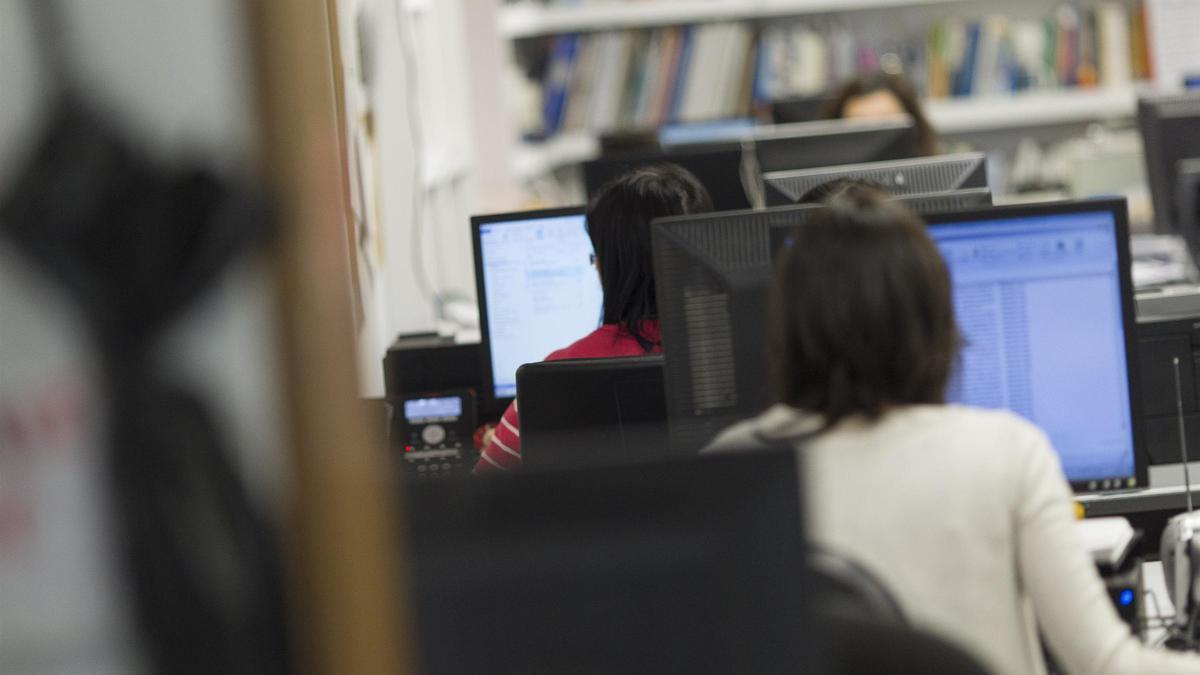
[{"x": 1148, "y": 509}]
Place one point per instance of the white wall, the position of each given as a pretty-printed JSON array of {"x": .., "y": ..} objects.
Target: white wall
[{"x": 417, "y": 174}]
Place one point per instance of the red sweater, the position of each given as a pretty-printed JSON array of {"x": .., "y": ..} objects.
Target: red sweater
[{"x": 503, "y": 452}]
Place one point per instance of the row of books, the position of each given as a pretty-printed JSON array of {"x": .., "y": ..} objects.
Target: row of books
[
  {"x": 652, "y": 77},
  {"x": 646, "y": 78}
]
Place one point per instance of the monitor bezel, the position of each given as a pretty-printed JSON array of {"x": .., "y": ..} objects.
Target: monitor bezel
[
  {"x": 1118, "y": 208},
  {"x": 490, "y": 402}
]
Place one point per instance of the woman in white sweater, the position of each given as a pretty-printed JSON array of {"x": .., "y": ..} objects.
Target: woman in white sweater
[{"x": 963, "y": 513}]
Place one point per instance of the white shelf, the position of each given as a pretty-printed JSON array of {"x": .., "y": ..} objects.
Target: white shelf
[
  {"x": 948, "y": 116},
  {"x": 1030, "y": 109},
  {"x": 527, "y": 19}
]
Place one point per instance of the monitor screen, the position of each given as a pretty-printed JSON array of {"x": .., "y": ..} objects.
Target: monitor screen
[
  {"x": 539, "y": 290},
  {"x": 1039, "y": 300}
]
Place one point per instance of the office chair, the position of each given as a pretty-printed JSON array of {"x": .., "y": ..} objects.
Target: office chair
[
  {"x": 850, "y": 590},
  {"x": 867, "y": 629},
  {"x": 858, "y": 645},
  {"x": 582, "y": 413}
]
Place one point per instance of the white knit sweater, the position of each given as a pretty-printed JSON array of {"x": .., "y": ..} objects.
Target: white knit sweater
[{"x": 966, "y": 516}]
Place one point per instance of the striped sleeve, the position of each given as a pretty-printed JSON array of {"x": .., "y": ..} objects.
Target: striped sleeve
[{"x": 503, "y": 452}]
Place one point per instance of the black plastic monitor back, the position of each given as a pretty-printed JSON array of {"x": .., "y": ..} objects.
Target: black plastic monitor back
[
  {"x": 942, "y": 173},
  {"x": 1170, "y": 128},
  {"x": 591, "y": 412},
  {"x": 1187, "y": 196},
  {"x": 834, "y": 142},
  {"x": 922, "y": 204},
  {"x": 710, "y": 274},
  {"x": 718, "y": 167},
  {"x": 800, "y": 109},
  {"x": 690, "y": 566}
]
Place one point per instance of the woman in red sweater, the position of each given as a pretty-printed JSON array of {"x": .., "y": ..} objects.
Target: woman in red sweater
[{"x": 619, "y": 226}]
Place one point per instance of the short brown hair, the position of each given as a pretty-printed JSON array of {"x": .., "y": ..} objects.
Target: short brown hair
[{"x": 861, "y": 312}]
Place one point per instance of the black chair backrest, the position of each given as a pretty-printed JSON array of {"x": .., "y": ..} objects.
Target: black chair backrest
[
  {"x": 859, "y": 645},
  {"x": 849, "y": 589},
  {"x": 591, "y": 412},
  {"x": 688, "y": 566}
]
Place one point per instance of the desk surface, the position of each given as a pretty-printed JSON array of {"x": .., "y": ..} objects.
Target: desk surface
[{"x": 1166, "y": 493}]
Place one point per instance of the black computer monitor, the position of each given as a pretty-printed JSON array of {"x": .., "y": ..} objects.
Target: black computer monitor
[
  {"x": 538, "y": 291},
  {"x": 591, "y": 412},
  {"x": 692, "y": 566},
  {"x": 809, "y": 145},
  {"x": 1170, "y": 132},
  {"x": 718, "y": 166},
  {"x": 800, "y": 109},
  {"x": 711, "y": 274},
  {"x": 1051, "y": 283},
  {"x": 731, "y": 169},
  {"x": 920, "y": 203},
  {"x": 1187, "y": 195},
  {"x": 907, "y": 176}
]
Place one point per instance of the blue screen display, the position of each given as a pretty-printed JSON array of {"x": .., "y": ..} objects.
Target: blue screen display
[
  {"x": 1038, "y": 301},
  {"x": 542, "y": 291}
]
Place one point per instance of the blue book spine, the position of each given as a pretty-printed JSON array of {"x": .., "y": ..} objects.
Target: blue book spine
[
  {"x": 558, "y": 81},
  {"x": 964, "y": 82},
  {"x": 681, "y": 72},
  {"x": 763, "y": 75}
]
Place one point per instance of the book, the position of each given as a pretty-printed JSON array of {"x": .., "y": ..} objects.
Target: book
[{"x": 649, "y": 77}]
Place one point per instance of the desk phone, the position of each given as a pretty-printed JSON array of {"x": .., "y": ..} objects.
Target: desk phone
[{"x": 435, "y": 434}]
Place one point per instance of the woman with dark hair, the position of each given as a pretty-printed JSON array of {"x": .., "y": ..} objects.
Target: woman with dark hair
[
  {"x": 963, "y": 513},
  {"x": 884, "y": 94},
  {"x": 619, "y": 227}
]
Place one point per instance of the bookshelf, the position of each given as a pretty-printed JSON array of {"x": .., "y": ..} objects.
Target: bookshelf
[
  {"x": 948, "y": 116},
  {"x": 527, "y": 19}
]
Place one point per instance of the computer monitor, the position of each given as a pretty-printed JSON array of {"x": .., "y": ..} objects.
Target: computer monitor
[
  {"x": 800, "y": 109},
  {"x": 713, "y": 272},
  {"x": 592, "y": 412},
  {"x": 1043, "y": 297},
  {"x": 808, "y": 145},
  {"x": 1187, "y": 195},
  {"x": 717, "y": 165},
  {"x": 731, "y": 169},
  {"x": 537, "y": 287},
  {"x": 907, "y": 176},
  {"x": 920, "y": 203},
  {"x": 1170, "y": 128},
  {"x": 690, "y": 566}
]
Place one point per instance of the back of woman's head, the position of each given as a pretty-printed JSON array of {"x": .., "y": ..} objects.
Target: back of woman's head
[
  {"x": 619, "y": 226},
  {"x": 861, "y": 313}
]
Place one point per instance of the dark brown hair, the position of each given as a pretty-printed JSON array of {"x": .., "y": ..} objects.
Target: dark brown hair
[
  {"x": 861, "y": 312},
  {"x": 619, "y": 226},
  {"x": 899, "y": 87}
]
